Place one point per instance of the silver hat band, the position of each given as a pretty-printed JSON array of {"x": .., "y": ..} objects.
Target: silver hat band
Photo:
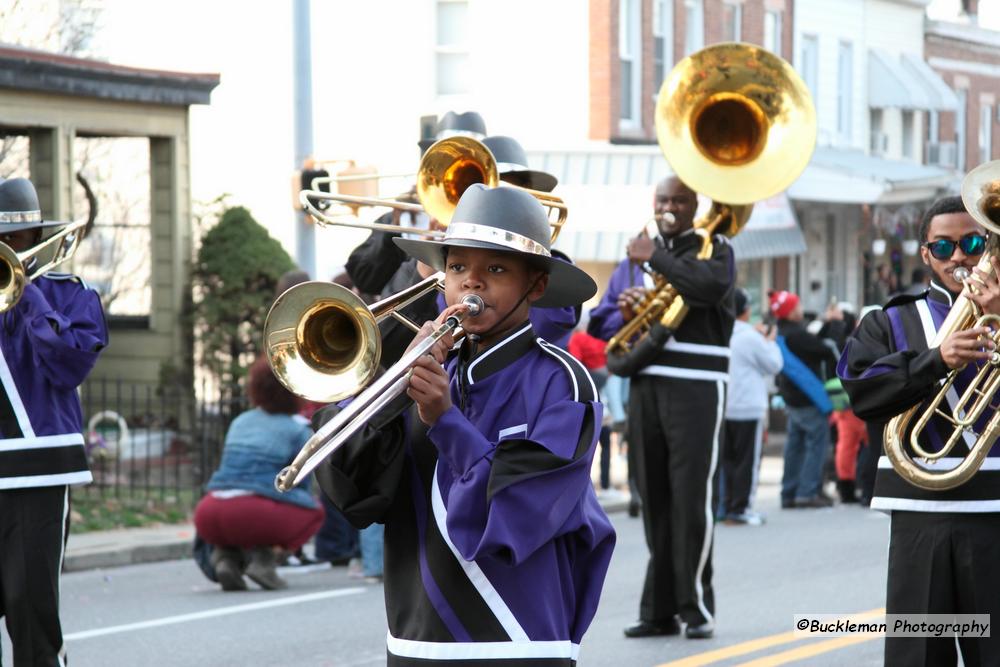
[
  {"x": 504, "y": 167},
  {"x": 469, "y": 231},
  {"x": 448, "y": 133},
  {"x": 20, "y": 216}
]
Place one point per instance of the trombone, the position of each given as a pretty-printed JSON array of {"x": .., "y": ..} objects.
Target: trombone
[
  {"x": 981, "y": 196},
  {"x": 17, "y": 269},
  {"x": 383, "y": 391},
  {"x": 446, "y": 170}
]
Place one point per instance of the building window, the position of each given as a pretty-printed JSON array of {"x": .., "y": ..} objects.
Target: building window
[
  {"x": 960, "y": 125},
  {"x": 694, "y": 26},
  {"x": 772, "y": 32},
  {"x": 451, "y": 48},
  {"x": 732, "y": 20},
  {"x": 985, "y": 132},
  {"x": 663, "y": 40},
  {"x": 845, "y": 90},
  {"x": 879, "y": 142},
  {"x": 629, "y": 23},
  {"x": 809, "y": 65},
  {"x": 933, "y": 126},
  {"x": 114, "y": 257},
  {"x": 908, "y": 135}
]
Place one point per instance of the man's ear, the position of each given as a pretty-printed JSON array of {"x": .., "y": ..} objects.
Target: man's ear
[{"x": 925, "y": 255}]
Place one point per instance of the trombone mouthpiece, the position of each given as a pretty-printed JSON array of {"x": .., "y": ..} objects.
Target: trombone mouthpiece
[
  {"x": 960, "y": 274},
  {"x": 475, "y": 304}
]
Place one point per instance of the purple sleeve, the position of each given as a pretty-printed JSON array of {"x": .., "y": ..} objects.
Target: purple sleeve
[
  {"x": 883, "y": 381},
  {"x": 65, "y": 343},
  {"x": 510, "y": 498},
  {"x": 554, "y": 324},
  {"x": 605, "y": 318}
]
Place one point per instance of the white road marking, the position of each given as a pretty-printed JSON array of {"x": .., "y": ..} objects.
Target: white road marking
[{"x": 211, "y": 613}]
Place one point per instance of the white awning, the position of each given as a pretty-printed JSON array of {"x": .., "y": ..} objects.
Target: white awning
[
  {"x": 851, "y": 177},
  {"x": 942, "y": 97},
  {"x": 890, "y": 85}
]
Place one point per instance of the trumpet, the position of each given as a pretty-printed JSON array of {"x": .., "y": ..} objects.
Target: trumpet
[
  {"x": 17, "y": 269},
  {"x": 446, "y": 170},
  {"x": 981, "y": 196},
  {"x": 737, "y": 124},
  {"x": 383, "y": 391}
]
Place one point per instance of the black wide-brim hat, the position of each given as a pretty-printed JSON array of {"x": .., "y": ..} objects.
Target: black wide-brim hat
[
  {"x": 512, "y": 164},
  {"x": 466, "y": 124},
  {"x": 19, "y": 208},
  {"x": 506, "y": 220}
]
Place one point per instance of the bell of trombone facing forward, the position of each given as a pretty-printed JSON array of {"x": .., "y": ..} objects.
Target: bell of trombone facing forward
[{"x": 922, "y": 371}]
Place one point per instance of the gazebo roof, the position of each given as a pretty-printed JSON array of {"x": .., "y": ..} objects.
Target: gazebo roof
[{"x": 43, "y": 71}]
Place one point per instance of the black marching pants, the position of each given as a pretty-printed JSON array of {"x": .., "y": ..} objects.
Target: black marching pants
[
  {"x": 676, "y": 425},
  {"x": 944, "y": 563},
  {"x": 741, "y": 445},
  {"x": 32, "y": 537}
]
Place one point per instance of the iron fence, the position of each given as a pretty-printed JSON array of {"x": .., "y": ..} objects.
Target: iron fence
[{"x": 150, "y": 442}]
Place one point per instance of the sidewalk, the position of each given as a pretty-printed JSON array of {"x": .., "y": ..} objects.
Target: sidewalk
[{"x": 114, "y": 548}]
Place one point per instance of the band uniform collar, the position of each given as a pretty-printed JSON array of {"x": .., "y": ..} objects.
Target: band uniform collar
[
  {"x": 501, "y": 354},
  {"x": 940, "y": 294},
  {"x": 680, "y": 239}
]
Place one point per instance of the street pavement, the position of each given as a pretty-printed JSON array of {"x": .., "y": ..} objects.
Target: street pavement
[{"x": 801, "y": 561}]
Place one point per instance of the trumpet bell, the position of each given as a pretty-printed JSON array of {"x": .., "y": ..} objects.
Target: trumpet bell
[
  {"x": 322, "y": 342},
  {"x": 736, "y": 123},
  {"x": 981, "y": 195},
  {"x": 13, "y": 278},
  {"x": 447, "y": 169}
]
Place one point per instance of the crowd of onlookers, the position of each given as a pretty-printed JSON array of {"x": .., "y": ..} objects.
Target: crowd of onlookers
[{"x": 782, "y": 373}]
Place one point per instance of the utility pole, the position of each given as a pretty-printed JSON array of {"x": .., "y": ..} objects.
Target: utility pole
[{"x": 305, "y": 232}]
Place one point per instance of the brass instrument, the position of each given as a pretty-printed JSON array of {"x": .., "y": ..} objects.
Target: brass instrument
[
  {"x": 447, "y": 168},
  {"x": 17, "y": 269},
  {"x": 736, "y": 123},
  {"x": 323, "y": 342},
  {"x": 981, "y": 196},
  {"x": 349, "y": 356}
]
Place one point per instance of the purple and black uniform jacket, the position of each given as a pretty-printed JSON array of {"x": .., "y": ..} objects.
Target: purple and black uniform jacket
[
  {"x": 699, "y": 349},
  {"x": 886, "y": 368},
  {"x": 49, "y": 342},
  {"x": 496, "y": 547}
]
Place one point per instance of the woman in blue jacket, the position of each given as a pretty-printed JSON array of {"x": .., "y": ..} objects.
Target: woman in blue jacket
[{"x": 243, "y": 515}]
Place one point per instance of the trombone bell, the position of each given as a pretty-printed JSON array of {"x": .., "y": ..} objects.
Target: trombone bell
[
  {"x": 447, "y": 169},
  {"x": 322, "y": 341}
]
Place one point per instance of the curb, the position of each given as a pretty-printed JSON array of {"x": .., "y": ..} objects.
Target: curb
[
  {"x": 120, "y": 556},
  {"x": 97, "y": 558}
]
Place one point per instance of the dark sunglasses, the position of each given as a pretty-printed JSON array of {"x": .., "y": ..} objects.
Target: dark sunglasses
[{"x": 945, "y": 248}]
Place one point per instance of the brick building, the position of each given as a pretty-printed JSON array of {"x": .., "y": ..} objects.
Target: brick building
[{"x": 967, "y": 56}]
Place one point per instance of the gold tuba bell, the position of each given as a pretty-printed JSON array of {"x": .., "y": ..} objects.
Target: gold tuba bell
[
  {"x": 737, "y": 124},
  {"x": 981, "y": 196}
]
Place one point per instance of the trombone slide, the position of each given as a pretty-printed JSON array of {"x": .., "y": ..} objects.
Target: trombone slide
[{"x": 348, "y": 421}]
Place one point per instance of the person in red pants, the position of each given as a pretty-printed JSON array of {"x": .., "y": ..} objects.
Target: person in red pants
[{"x": 243, "y": 515}]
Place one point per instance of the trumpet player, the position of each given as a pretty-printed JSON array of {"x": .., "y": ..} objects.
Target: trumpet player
[
  {"x": 49, "y": 341},
  {"x": 676, "y": 410},
  {"x": 496, "y": 547},
  {"x": 943, "y": 547}
]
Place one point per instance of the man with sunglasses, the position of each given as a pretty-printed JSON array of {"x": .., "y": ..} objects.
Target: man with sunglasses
[{"x": 943, "y": 549}]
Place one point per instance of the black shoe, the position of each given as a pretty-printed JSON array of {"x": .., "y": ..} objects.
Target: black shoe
[
  {"x": 229, "y": 568},
  {"x": 788, "y": 503},
  {"x": 633, "y": 509},
  {"x": 846, "y": 491},
  {"x": 703, "y": 631},
  {"x": 814, "y": 503},
  {"x": 647, "y": 629}
]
